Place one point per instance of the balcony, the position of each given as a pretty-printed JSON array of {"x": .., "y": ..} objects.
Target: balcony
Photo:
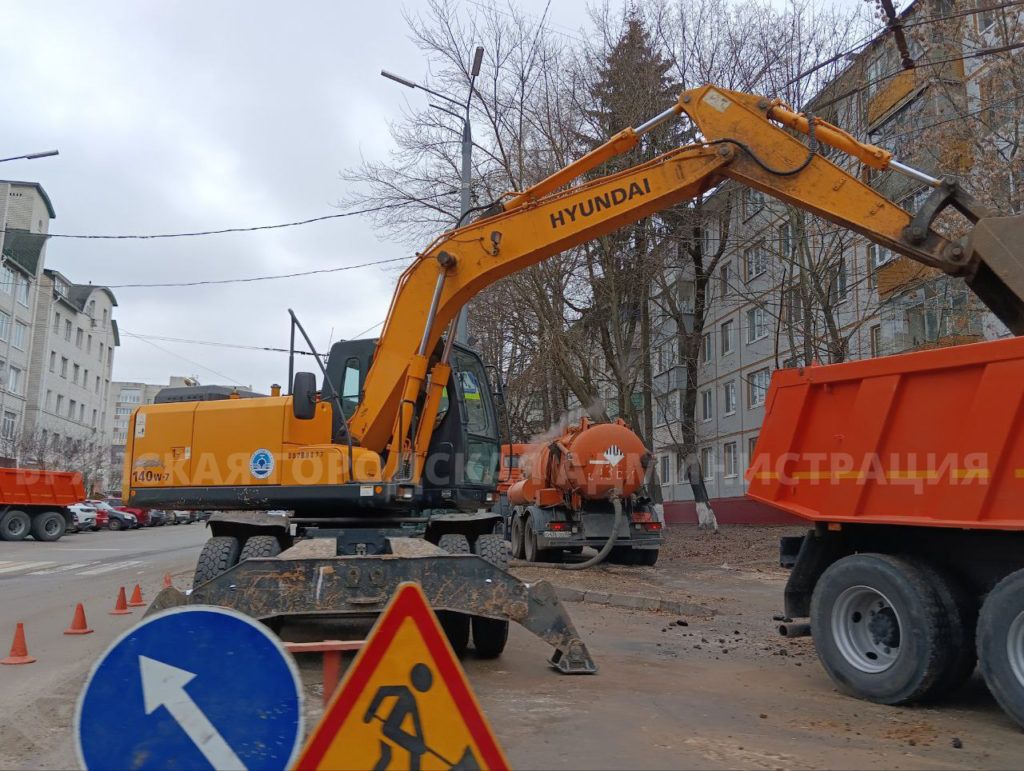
[{"x": 672, "y": 379}]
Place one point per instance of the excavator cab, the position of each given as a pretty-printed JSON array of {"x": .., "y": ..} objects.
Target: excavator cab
[{"x": 461, "y": 469}]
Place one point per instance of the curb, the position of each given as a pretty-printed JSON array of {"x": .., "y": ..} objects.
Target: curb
[{"x": 634, "y": 602}]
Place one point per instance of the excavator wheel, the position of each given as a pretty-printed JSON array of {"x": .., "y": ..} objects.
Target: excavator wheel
[
  {"x": 219, "y": 554},
  {"x": 260, "y": 546},
  {"x": 490, "y": 634},
  {"x": 455, "y": 625},
  {"x": 516, "y": 535}
]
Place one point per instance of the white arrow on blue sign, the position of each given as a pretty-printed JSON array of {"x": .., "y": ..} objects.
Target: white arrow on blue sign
[{"x": 196, "y": 687}]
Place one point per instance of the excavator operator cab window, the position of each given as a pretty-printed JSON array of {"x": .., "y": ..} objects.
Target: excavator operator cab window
[
  {"x": 350, "y": 387},
  {"x": 477, "y": 417}
]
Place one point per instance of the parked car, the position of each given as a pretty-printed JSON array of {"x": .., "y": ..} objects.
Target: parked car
[
  {"x": 158, "y": 517},
  {"x": 84, "y": 516},
  {"x": 113, "y": 518},
  {"x": 182, "y": 517},
  {"x": 142, "y": 516}
]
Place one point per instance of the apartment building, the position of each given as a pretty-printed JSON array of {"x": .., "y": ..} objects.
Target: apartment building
[{"x": 789, "y": 290}]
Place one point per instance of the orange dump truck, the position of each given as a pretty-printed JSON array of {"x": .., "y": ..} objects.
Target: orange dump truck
[
  {"x": 35, "y": 501},
  {"x": 911, "y": 469}
]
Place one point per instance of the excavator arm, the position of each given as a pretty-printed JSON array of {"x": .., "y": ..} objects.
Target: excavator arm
[{"x": 743, "y": 140}]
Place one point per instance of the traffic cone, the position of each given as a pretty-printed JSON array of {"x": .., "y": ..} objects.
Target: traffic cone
[
  {"x": 19, "y": 651},
  {"x": 136, "y": 600},
  {"x": 78, "y": 625},
  {"x": 121, "y": 607},
  {"x": 167, "y": 580}
]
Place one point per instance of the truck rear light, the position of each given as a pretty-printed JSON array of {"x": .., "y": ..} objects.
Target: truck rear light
[
  {"x": 558, "y": 525},
  {"x": 652, "y": 526}
]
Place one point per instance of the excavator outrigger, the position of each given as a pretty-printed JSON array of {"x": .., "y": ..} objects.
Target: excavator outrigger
[{"x": 384, "y": 464}]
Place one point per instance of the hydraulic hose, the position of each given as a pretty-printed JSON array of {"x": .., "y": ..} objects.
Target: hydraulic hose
[{"x": 600, "y": 557}]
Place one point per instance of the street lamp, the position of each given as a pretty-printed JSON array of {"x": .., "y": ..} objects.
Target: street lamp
[
  {"x": 31, "y": 156},
  {"x": 462, "y": 328}
]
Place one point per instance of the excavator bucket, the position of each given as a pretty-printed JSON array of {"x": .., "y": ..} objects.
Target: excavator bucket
[{"x": 997, "y": 243}]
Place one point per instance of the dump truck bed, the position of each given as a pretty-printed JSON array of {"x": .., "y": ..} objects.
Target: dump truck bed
[
  {"x": 932, "y": 438},
  {"x": 34, "y": 487}
]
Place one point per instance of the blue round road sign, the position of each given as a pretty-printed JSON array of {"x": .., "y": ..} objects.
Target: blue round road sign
[{"x": 190, "y": 688}]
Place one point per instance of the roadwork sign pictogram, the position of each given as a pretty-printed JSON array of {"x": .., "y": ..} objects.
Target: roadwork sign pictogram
[{"x": 404, "y": 702}]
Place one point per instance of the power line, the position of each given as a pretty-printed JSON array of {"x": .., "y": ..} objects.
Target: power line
[
  {"x": 234, "y": 346},
  {"x": 190, "y": 361},
  {"x": 251, "y": 279}
]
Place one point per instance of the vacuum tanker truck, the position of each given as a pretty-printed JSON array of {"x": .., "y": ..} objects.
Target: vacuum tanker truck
[{"x": 568, "y": 492}]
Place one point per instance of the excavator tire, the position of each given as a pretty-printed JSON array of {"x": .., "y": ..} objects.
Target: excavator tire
[
  {"x": 490, "y": 634},
  {"x": 455, "y": 625},
  {"x": 260, "y": 546},
  {"x": 219, "y": 554}
]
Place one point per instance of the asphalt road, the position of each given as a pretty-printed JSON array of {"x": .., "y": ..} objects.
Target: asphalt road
[{"x": 40, "y": 584}]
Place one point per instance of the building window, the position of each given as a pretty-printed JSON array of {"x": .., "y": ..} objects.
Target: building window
[
  {"x": 728, "y": 344},
  {"x": 837, "y": 290},
  {"x": 104, "y": 318},
  {"x": 90, "y": 309},
  {"x": 757, "y": 324},
  {"x": 706, "y": 404},
  {"x": 60, "y": 404},
  {"x": 81, "y": 413},
  {"x": 53, "y": 361},
  {"x": 94, "y": 418},
  {"x": 18, "y": 341},
  {"x": 785, "y": 241},
  {"x": 97, "y": 384},
  {"x": 705, "y": 348},
  {"x": 22, "y": 286},
  {"x": 71, "y": 408},
  {"x": 755, "y": 261},
  {"x": 875, "y": 334},
  {"x": 79, "y": 337},
  {"x": 88, "y": 345},
  {"x": 67, "y": 330},
  {"x": 101, "y": 351},
  {"x": 986, "y": 16},
  {"x": 793, "y": 304},
  {"x": 56, "y": 321},
  {"x": 751, "y": 446},
  {"x": 8, "y": 278},
  {"x": 10, "y": 422},
  {"x": 63, "y": 366},
  {"x": 5, "y": 326},
  {"x": 14, "y": 380},
  {"x": 730, "y": 397},
  {"x": 753, "y": 200},
  {"x": 707, "y": 463},
  {"x": 49, "y": 400},
  {"x": 757, "y": 387},
  {"x": 85, "y": 379},
  {"x": 723, "y": 280},
  {"x": 666, "y": 470},
  {"x": 74, "y": 376},
  {"x": 730, "y": 464},
  {"x": 877, "y": 257}
]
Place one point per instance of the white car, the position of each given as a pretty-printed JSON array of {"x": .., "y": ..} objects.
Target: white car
[{"x": 84, "y": 516}]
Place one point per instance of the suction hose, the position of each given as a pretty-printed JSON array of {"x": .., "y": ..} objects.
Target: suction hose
[{"x": 600, "y": 557}]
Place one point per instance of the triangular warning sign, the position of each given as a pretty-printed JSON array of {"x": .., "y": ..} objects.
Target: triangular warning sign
[{"x": 404, "y": 702}]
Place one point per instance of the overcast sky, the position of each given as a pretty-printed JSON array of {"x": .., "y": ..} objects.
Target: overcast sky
[{"x": 186, "y": 116}]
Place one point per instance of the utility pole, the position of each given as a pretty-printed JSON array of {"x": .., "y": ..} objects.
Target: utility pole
[{"x": 462, "y": 328}]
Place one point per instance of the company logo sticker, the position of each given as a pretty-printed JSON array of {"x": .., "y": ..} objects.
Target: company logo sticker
[{"x": 261, "y": 464}]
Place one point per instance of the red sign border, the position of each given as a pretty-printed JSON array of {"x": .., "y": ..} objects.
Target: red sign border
[{"x": 408, "y": 602}]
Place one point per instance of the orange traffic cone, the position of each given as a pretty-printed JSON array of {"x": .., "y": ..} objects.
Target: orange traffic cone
[
  {"x": 19, "y": 651},
  {"x": 167, "y": 580},
  {"x": 136, "y": 600},
  {"x": 121, "y": 607},
  {"x": 78, "y": 625}
]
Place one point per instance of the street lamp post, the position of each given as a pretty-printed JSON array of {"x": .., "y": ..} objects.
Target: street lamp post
[
  {"x": 462, "y": 328},
  {"x": 31, "y": 156}
]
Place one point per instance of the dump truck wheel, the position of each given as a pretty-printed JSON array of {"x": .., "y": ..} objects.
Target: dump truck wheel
[
  {"x": 15, "y": 525},
  {"x": 219, "y": 555},
  {"x": 530, "y": 551},
  {"x": 455, "y": 625},
  {"x": 1001, "y": 644},
  {"x": 490, "y": 634},
  {"x": 880, "y": 629},
  {"x": 48, "y": 526},
  {"x": 260, "y": 546},
  {"x": 962, "y": 617},
  {"x": 516, "y": 536}
]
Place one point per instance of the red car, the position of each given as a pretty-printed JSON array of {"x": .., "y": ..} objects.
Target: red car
[{"x": 141, "y": 515}]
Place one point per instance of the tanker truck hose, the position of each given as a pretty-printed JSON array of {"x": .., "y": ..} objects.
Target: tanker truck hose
[{"x": 600, "y": 557}]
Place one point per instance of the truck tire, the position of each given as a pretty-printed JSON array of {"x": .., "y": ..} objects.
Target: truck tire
[
  {"x": 15, "y": 525},
  {"x": 647, "y": 557},
  {"x": 455, "y": 625},
  {"x": 1001, "y": 644},
  {"x": 962, "y": 618},
  {"x": 219, "y": 554},
  {"x": 260, "y": 546},
  {"x": 530, "y": 551},
  {"x": 490, "y": 634},
  {"x": 880, "y": 629},
  {"x": 516, "y": 536},
  {"x": 48, "y": 526}
]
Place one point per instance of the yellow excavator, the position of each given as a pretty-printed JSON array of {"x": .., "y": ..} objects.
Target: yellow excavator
[{"x": 388, "y": 466}]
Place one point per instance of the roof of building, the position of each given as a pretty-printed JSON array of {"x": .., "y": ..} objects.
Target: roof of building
[
  {"x": 39, "y": 189},
  {"x": 78, "y": 294}
]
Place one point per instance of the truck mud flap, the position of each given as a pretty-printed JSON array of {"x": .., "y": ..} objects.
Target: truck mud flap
[{"x": 273, "y": 588}]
